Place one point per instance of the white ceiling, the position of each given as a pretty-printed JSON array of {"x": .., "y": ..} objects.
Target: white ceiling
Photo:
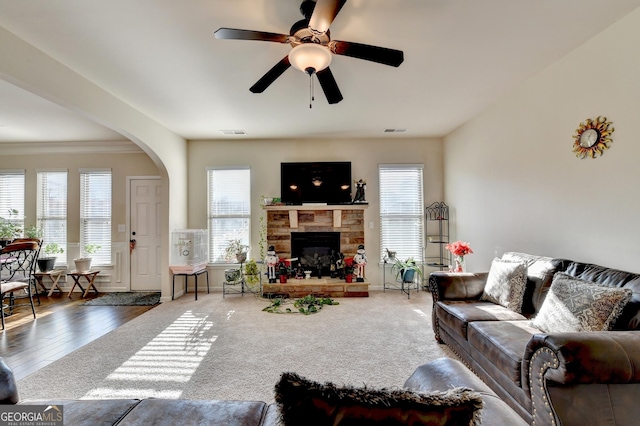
[{"x": 161, "y": 57}]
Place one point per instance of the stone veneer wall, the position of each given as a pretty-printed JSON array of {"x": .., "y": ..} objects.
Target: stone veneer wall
[{"x": 279, "y": 230}]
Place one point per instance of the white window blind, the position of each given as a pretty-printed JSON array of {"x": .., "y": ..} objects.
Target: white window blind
[
  {"x": 95, "y": 214},
  {"x": 12, "y": 197},
  {"x": 401, "y": 211},
  {"x": 51, "y": 199},
  {"x": 229, "y": 209}
]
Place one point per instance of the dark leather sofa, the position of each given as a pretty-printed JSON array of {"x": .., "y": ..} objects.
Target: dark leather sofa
[
  {"x": 578, "y": 378},
  {"x": 438, "y": 375},
  {"x": 155, "y": 412}
]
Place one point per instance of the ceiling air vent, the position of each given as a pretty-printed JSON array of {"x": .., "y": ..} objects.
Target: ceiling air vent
[
  {"x": 395, "y": 130},
  {"x": 233, "y": 132}
]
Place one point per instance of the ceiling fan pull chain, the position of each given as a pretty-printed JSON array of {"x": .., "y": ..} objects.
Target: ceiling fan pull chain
[{"x": 312, "y": 98}]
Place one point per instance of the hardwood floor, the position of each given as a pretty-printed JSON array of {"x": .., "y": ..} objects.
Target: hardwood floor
[{"x": 62, "y": 326}]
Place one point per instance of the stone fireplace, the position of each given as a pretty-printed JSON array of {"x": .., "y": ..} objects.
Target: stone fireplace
[
  {"x": 346, "y": 222},
  {"x": 322, "y": 228}
]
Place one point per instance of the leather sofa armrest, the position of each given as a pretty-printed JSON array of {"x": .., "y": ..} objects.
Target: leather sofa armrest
[
  {"x": 8, "y": 387},
  {"x": 456, "y": 286},
  {"x": 570, "y": 360}
]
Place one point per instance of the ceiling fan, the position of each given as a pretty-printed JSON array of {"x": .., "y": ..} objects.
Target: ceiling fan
[{"x": 312, "y": 47}]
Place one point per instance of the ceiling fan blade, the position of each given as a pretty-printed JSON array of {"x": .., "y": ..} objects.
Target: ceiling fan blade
[
  {"x": 324, "y": 13},
  {"x": 237, "y": 34},
  {"x": 381, "y": 55},
  {"x": 271, "y": 75},
  {"x": 329, "y": 86}
]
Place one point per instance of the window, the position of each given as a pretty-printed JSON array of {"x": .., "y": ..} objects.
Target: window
[
  {"x": 51, "y": 199},
  {"x": 95, "y": 214},
  {"x": 229, "y": 209},
  {"x": 12, "y": 198},
  {"x": 401, "y": 211}
]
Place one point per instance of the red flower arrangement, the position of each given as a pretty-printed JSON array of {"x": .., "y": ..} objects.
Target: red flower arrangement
[
  {"x": 459, "y": 249},
  {"x": 348, "y": 269}
]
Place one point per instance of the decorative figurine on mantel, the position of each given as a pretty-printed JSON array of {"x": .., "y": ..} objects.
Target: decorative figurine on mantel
[
  {"x": 360, "y": 260},
  {"x": 361, "y": 185},
  {"x": 272, "y": 261}
]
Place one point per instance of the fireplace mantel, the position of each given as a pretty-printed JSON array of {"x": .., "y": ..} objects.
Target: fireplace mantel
[{"x": 337, "y": 211}]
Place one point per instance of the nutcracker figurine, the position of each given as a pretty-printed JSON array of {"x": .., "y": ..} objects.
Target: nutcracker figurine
[
  {"x": 272, "y": 262},
  {"x": 360, "y": 259}
]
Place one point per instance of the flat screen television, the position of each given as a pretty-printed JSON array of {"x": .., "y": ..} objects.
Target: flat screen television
[{"x": 316, "y": 182}]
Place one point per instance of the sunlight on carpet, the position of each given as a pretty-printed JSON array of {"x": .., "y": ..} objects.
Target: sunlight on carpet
[{"x": 172, "y": 356}]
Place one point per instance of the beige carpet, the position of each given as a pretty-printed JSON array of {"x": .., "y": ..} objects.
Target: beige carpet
[{"x": 216, "y": 348}]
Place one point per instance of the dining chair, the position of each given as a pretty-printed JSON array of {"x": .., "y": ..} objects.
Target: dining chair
[
  {"x": 32, "y": 279},
  {"x": 17, "y": 267}
]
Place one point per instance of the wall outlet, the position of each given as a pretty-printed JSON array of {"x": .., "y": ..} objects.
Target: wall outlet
[{"x": 370, "y": 225}]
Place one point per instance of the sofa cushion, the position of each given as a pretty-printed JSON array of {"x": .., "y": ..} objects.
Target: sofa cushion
[
  {"x": 502, "y": 343},
  {"x": 305, "y": 402},
  {"x": 457, "y": 314},
  {"x": 540, "y": 270},
  {"x": 630, "y": 317},
  {"x": 170, "y": 412},
  {"x": 506, "y": 284},
  {"x": 577, "y": 305},
  {"x": 89, "y": 412}
]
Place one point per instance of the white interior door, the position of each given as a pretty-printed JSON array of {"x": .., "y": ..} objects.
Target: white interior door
[{"x": 145, "y": 209}]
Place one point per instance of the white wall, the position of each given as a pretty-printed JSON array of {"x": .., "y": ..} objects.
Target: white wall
[
  {"x": 33, "y": 70},
  {"x": 122, "y": 165},
  {"x": 514, "y": 183},
  {"x": 264, "y": 158}
]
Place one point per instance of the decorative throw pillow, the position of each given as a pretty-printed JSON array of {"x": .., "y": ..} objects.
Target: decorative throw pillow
[
  {"x": 577, "y": 305},
  {"x": 506, "y": 284},
  {"x": 305, "y": 402}
]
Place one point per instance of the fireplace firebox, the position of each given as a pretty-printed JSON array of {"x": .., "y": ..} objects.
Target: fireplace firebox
[{"x": 314, "y": 249}]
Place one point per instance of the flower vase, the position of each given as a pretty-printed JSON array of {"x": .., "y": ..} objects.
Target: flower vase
[{"x": 460, "y": 264}]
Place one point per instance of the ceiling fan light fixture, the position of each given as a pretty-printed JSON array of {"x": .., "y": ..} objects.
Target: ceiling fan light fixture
[{"x": 310, "y": 55}]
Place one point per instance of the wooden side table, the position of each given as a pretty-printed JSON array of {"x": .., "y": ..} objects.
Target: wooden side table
[
  {"x": 54, "y": 276},
  {"x": 89, "y": 276}
]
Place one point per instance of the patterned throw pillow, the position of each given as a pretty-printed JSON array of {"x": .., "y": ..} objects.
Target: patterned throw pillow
[
  {"x": 506, "y": 284},
  {"x": 305, "y": 402},
  {"x": 577, "y": 305}
]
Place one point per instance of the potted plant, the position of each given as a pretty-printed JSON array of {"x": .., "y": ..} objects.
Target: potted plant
[
  {"x": 406, "y": 270},
  {"x": 33, "y": 232},
  {"x": 83, "y": 264},
  {"x": 348, "y": 269},
  {"x": 283, "y": 271},
  {"x": 252, "y": 272},
  {"x": 236, "y": 250},
  {"x": 8, "y": 229},
  {"x": 47, "y": 263}
]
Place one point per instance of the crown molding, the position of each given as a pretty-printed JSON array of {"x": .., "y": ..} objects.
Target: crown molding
[{"x": 69, "y": 147}]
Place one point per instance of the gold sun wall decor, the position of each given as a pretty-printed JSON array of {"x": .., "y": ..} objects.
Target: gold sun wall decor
[{"x": 592, "y": 137}]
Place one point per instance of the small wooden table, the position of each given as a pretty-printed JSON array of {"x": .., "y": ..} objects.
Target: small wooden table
[
  {"x": 54, "y": 276},
  {"x": 90, "y": 276}
]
